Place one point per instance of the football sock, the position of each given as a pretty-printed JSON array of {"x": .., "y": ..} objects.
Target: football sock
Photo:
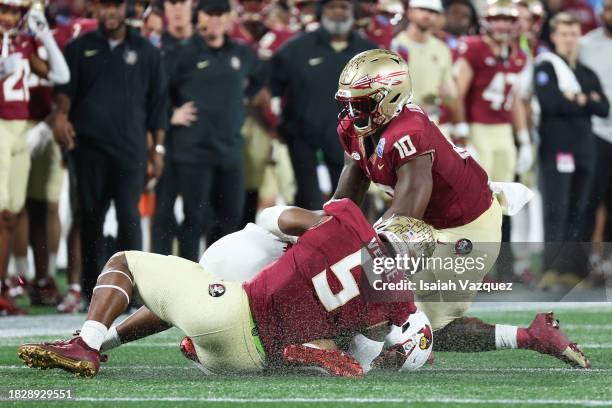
[
  {"x": 21, "y": 266},
  {"x": 506, "y": 337},
  {"x": 75, "y": 287},
  {"x": 52, "y": 265},
  {"x": 93, "y": 333},
  {"x": 111, "y": 340}
]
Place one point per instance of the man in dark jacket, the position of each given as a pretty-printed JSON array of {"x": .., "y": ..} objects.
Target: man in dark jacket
[
  {"x": 569, "y": 93},
  {"x": 306, "y": 71}
]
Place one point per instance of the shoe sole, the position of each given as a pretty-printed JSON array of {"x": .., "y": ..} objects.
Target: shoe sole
[
  {"x": 38, "y": 357},
  {"x": 575, "y": 358}
]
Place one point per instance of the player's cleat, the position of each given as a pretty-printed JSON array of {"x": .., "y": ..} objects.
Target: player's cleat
[
  {"x": 334, "y": 362},
  {"x": 45, "y": 294},
  {"x": 74, "y": 356},
  {"x": 18, "y": 286},
  {"x": 71, "y": 303},
  {"x": 188, "y": 350},
  {"x": 547, "y": 337},
  {"x": 9, "y": 308}
]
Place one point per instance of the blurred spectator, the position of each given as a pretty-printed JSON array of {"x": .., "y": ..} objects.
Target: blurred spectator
[
  {"x": 530, "y": 19},
  {"x": 116, "y": 68},
  {"x": 18, "y": 56},
  {"x": 595, "y": 52},
  {"x": 551, "y": 8},
  {"x": 374, "y": 26},
  {"x": 303, "y": 15},
  {"x": 306, "y": 72},
  {"x": 153, "y": 25},
  {"x": 429, "y": 59},
  {"x": 569, "y": 94},
  {"x": 583, "y": 12},
  {"x": 461, "y": 19},
  {"x": 205, "y": 158}
]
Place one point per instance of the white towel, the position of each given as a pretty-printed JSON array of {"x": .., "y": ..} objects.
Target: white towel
[
  {"x": 565, "y": 76},
  {"x": 511, "y": 196}
]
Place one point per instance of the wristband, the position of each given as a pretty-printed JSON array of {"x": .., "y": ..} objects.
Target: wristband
[{"x": 523, "y": 136}]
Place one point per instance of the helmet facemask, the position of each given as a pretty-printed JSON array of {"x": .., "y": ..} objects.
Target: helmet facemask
[{"x": 363, "y": 111}]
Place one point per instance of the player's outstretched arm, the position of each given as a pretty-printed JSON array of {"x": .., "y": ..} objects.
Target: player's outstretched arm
[
  {"x": 353, "y": 183},
  {"x": 288, "y": 222},
  {"x": 413, "y": 188}
]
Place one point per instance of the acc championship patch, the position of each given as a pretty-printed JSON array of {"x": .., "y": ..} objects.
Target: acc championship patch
[
  {"x": 380, "y": 148},
  {"x": 542, "y": 78},
  {"x": 216, "y": 290}
]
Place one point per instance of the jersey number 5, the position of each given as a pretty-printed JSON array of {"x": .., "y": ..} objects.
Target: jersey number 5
[{"x": 342, "y": 270}]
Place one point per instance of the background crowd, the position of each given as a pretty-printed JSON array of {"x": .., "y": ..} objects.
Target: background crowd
[{"x": 183, "y": 119}]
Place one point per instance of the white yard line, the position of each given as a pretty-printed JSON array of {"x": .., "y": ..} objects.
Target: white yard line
[
  {"x": 467, "y": 401},
  {"x": 427, "y": 369}
]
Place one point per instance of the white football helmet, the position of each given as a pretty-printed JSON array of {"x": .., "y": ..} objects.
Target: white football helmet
[{"x": 413, "y": 341}]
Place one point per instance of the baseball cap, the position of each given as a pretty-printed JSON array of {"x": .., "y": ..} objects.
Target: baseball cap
[
  {"x": 215, "y": 6},
  {"x": 433, "y": 5}
]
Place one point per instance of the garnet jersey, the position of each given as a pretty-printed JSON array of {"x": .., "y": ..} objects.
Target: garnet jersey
[
  {"x": 15, "y": 92},
  {"x": 489, "y": 99},
  {"x": 379, "y": 31},
  {"x": 41, "y": 90},
  {"x": 316, "y": 289},
  {"x": 460, "y": 191}
]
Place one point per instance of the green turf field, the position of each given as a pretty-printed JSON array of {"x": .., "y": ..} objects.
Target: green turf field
[{"x": 153, "y": 373}]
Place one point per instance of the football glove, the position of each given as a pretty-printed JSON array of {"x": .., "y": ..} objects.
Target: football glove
[{"x": 332, "y": 362}]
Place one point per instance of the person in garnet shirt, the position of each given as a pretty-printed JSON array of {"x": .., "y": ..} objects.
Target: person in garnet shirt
[{"x": 17, "y": 59}]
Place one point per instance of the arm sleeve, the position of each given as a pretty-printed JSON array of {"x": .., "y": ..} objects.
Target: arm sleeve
[
  {"x": 448, "y": 80},
  {"x": 551, "y": 99},
  {"x": 71, "y": 55},
  {"x": 157, "y": 98},
  {"x": 600, "y": 108}
]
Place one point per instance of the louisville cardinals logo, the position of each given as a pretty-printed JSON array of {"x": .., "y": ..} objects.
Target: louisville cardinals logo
[
  {"x": 390, "y": 79},
  {"x": 216, "y": 289},
  {"x": 426, "y": 338}
]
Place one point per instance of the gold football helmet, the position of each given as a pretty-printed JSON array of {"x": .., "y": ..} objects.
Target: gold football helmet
[
  {"x": 501, "y": 8},
  {"x": 373, "y": 88},
  {"x": 407, "y": 235}
]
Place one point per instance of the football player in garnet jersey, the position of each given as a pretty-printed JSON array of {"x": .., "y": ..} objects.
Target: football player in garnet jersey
[
  {"x": 488, "y": 67},
  {"x": 17, "y": 59},
  {"x": 314, "y": 293},
  {"x": 393, "y": 143}
]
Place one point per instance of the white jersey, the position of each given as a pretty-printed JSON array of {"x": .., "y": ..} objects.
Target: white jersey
[{"x": 240, "y": 256}]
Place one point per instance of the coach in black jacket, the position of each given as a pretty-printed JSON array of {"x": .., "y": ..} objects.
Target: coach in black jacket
[
  {"x": 569, "y": 94},
  {"x": 305, "y": 71}
]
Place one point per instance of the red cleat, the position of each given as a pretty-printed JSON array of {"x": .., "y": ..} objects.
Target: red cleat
[
  {"x": 546, "y": 337},
  {"x": 18, "y": 286},
  {"x": 189, "y": 351},
  {"x": 46, "y": 294},
  {"x": 334, "y": 362},
  {"x": 74, "y": 356},
  {"x": 71, "y": 303},
  {"x": 9, "y": 308}
]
